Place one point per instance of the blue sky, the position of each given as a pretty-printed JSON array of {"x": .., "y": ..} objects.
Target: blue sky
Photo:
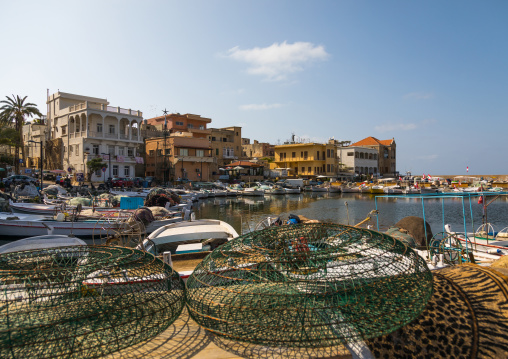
[{"x": 431, "y": 74}]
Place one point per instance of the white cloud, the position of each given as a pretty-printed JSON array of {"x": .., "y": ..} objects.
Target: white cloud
[
  {"x": 419, "y": 95},
  {"x": 277, "y": 61},
  {"x": 262, "y": 106}
]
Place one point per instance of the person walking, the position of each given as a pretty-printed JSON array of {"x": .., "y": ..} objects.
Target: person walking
[{"x": 58, "y": 177}]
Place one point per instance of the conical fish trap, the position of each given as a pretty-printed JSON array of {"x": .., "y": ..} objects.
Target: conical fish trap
[
  {"x": 308, "y": 285},
  {"x": 83, "y": 301}
]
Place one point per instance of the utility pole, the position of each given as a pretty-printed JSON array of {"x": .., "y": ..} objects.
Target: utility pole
[{"x": 165, "y": 146}]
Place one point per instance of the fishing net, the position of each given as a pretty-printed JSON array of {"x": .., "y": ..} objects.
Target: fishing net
[
  {"x": 83, "y": 301},
  {"x": 308, "y": 285},
  {"x": 80, "y": 200},
  {"x": 160, "y": 196}
]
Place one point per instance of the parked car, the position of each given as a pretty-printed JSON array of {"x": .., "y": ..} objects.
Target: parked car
[
  {"x": 117, "y": 182},
  {"x": 17, "y": 179},
  {"x": 122, "y": 182}
]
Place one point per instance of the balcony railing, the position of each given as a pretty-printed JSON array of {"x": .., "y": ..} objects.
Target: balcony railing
[{"x": 85, "y": 105}]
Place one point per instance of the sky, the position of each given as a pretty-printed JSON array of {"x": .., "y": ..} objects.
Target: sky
[{"x": 430, "y": 74}]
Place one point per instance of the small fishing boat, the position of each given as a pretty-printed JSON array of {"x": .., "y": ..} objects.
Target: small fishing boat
[
  {"x": 210, "y": 233},
  {"x": 253, "y": 192},
  {"x": 292, "y": 190},
  {"x": 319, "y": 189}
]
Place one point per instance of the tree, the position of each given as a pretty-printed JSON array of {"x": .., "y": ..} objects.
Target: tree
[
  {"x": 93, "y": 165},
  {"x": 12, "y": 114}
]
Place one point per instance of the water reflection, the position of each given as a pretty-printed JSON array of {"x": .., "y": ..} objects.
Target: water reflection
[{"x": 351, "y": 208}]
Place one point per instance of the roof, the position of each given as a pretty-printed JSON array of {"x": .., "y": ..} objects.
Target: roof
[{"x": 372, "y": 141}]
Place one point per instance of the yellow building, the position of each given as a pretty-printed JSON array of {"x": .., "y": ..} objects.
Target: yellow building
[
  {"x": 307, "y": 159},
  {"x": 226, "y": 145}
]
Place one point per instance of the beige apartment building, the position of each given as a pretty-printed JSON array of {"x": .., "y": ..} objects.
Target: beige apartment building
[
  {"x": 89, "y": 127},
  {"x": 226, "y": 145}
]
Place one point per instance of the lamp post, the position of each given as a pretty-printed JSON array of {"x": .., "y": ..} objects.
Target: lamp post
[
  {"x": 165, "y": 146},
  {"x": 40, "y": 143}
]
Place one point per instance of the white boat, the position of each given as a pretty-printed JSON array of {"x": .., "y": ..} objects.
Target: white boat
[
  {"x": 208, "y": 232},
  {"x": 335, "y": 189},
  {"x": 393, "y": 189},
  {"x": 50, "y": 209},
  {"x": 253, "y": 192},
  {"x": 30, "y": 225},
  {"x": 141, "y": 193},
  {"x": 277, "y": 190},
  {"x": 41, "y": 242},
  {"x": 292, "y": 190}
]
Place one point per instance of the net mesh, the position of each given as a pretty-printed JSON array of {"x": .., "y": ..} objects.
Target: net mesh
[
  {"x": 83, "y": 301},
  {"x": 308, "y": 285}
]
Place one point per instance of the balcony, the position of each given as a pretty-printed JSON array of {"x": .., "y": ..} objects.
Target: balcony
[
  {"x": 197, "y": 159},
  {"x": 102, "y": 107}
]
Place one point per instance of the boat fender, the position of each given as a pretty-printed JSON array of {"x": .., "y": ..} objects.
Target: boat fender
[
  {"x": 494, "y": 251},
  {"x": 60, "y": 217}
]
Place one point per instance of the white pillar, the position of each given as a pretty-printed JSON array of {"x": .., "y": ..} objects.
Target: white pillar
[
  {"x": 118, "y": 130},
  {"x": 130, "y": 130},
  {"x": 103, "y": 127}
]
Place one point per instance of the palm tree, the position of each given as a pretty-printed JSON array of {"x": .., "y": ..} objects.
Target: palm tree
[{"x": 12, "y": 114}]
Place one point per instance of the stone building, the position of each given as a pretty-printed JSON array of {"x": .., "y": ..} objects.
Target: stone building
[
  {"x": 257, "y": 149},
  {"x": 226, "y": 145}
]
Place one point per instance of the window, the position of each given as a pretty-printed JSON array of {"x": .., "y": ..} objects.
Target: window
[
  {"x": 327, "y": 168},
  {"x": 98, "y": 173},
  {"x": 159, "y": 152},
  {"x": 309, "y": 169},
  {"x": 303, "y": 169},
  {"x": 224, "y": 139},
  {"x": 201, "y": 127},
  {"x": 350, "y": 154},
  {"x": 111, "y": 150},
  {"x": 213, "y": 138},
  {"x": 152, "y": 152},
  {"x": 112, "y": 129},
  {"x": 328, "y": 153},
  {"x": 121, "y": 151},
  {"x": 318, "y": 155},
  {"x": 130, "y": 151},
  {"x": 99, "y": 127},
  {"x": 77, "y": 150},
  {"x": 167, "y": 151},
  {"x": 115, "y": 170},
  {"x": 190, "y": 125},
  {"x": 179, "y": 123},
  {"x": 126, "y": 171},
  {"x": 200, "y": 153},
  {"x": 305, "y": 154},
  {"x": 293, "y": 154},
  {"x": 95, "y": 149},
  {"x": 71, "y": 149},
  {"x": 64, "y": 129},
  {"x": 184, "y": 152}
]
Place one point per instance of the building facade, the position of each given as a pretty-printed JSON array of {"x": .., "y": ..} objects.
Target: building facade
[
  {"x": 307, "y": 159},
  {"x": 180, "y": 155},
  {"x": 358, "y": 160},
  {"x": 34, "y": 134},
  {"x": 257, "y": 149},
  {"x": 89, "y": 128},
  {"x": 386, "y": 151},
  {"x": 181, "y": 149},
  {"x": 226, "y": 145}
]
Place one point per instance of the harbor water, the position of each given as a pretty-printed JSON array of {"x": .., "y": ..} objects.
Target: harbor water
[{"x": 244, "y": 213}]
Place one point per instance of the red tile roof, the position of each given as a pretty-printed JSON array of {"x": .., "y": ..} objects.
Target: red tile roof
[{"x": 372, "y": 141}]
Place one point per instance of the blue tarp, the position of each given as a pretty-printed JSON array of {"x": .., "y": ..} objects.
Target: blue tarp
[{"x": 131, "y": 202}]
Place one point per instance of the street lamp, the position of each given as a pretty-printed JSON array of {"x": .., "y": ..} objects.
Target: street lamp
[{"x": 40, "y": 142}]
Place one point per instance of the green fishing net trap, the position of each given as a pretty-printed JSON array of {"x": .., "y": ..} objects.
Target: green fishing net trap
[
  {"x": 84, "y": 301},
  {"x": 308, "y": 285}
]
